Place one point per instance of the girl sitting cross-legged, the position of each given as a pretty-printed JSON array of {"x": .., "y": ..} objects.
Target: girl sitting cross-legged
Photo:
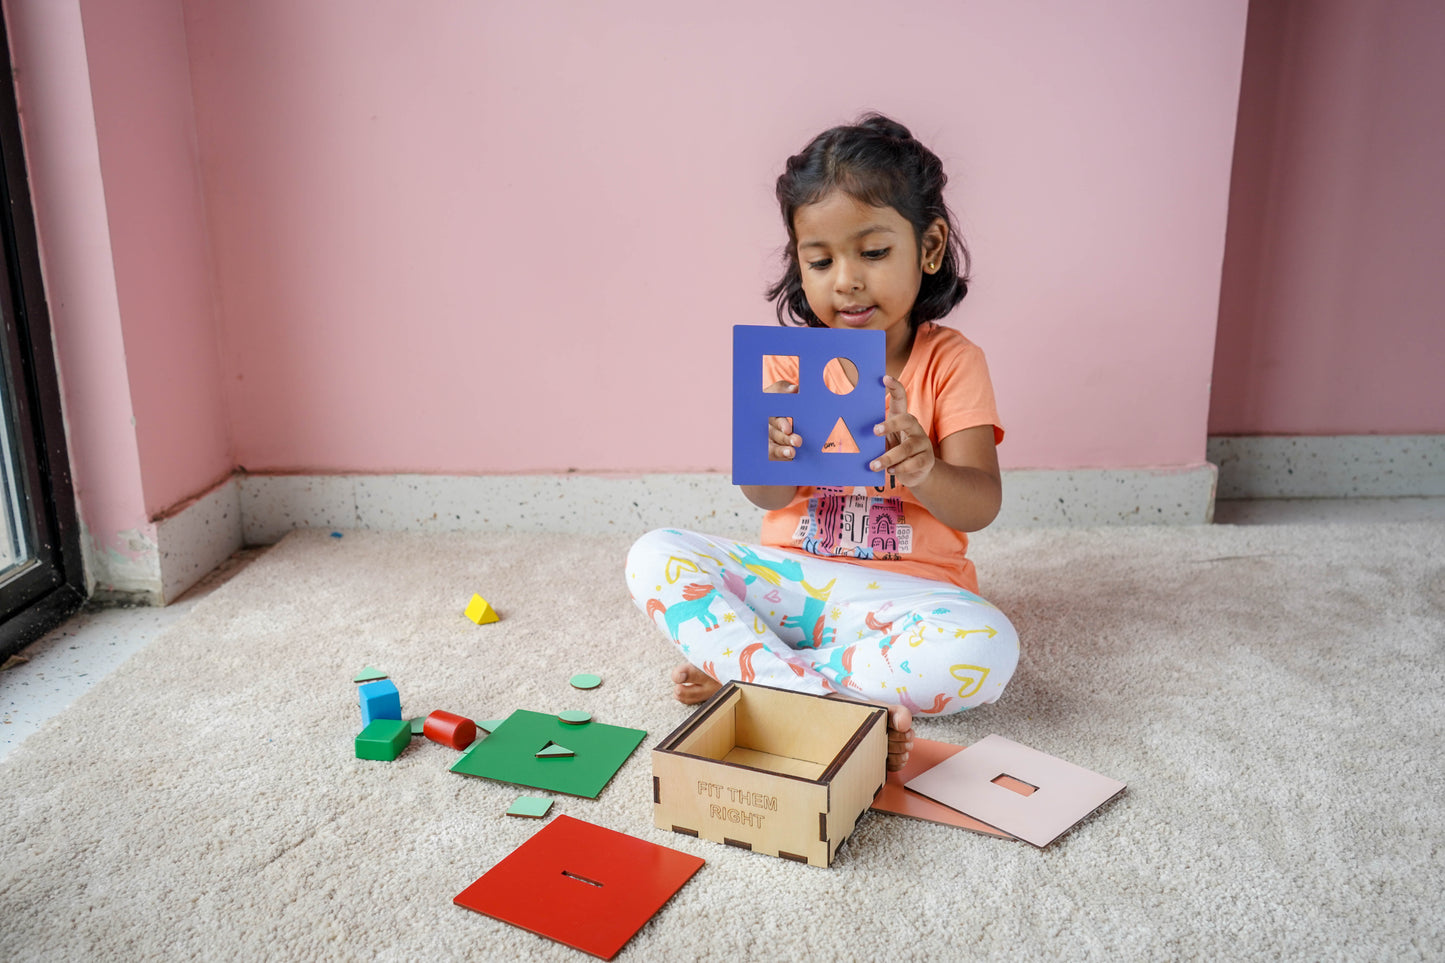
[{"x": 863, "y": 593}]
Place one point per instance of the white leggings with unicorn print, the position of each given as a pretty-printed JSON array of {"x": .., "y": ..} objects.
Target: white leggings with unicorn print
[{"x": 812, "y": 624}]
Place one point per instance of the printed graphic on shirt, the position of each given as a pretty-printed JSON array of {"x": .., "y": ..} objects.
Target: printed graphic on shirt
[{"x": 856, "y": 523}]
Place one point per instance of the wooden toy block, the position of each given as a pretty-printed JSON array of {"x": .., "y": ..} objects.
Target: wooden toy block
[
  {"x": 575, "y": 717},
  {"x": 530, "y": 807},
  {"x": 896, "y": 798},
  {"x": 816, "y": 409},
  {"x": 490, "y": 725},
  {"x": 773, "y": 771},
  {"x": 379, "y": 700},
  {"x": 418, "y": 726},
  {"x": 585, "y": 680},
  {"x": 480, "y": 611},
  {"x": 553, "y": 751},
  {"x": 579, "y": 884},
  {"x": 984, "y": 782},
  {"x": 383, "y": 739},
  {"x": 510, "y": 754},
  {"x": 450, "y": 729}
]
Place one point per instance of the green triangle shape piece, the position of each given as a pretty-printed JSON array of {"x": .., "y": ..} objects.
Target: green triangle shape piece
[
  {"x": 369, "y": 674},
  {"x": 552, "y": 749},
  {"x": 488, "y": 725}
]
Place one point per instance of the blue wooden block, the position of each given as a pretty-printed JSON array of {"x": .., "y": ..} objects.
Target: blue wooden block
[
  {"x": 379, "y": 700},
  {"x": 815, "y": 409}
]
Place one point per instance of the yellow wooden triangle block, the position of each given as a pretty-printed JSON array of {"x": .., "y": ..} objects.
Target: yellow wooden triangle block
[{"x": 480, "y": 611}]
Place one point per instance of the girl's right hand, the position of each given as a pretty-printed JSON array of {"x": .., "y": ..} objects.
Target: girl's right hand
[{"x": 782, "y": 443}]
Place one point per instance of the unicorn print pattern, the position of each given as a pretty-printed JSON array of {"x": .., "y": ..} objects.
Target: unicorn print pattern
[{"x": 821, "y": 625}]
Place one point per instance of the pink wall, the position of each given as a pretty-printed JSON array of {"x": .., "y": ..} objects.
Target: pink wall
[
  {"x": 145, "y": 125},
  {"x": 110, "y": 138},
  {"x": 473, "y": 238},
  {"x": 48, "y": 51},
  {"x": 1330, "y": 316},
  {"x": 355, "y": 235}
]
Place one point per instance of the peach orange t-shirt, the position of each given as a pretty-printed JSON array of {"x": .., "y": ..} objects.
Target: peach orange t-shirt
[{"x": 949, "y": 390}]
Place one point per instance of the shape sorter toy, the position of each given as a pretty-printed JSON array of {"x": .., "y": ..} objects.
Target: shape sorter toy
[
  {"x": 1018, "y": 790},
  {"x": 773, "y": 771},
  {"x": 816, "y": 409},
  {"x": 517, "y": 752},
  {"x": 583, "y": 885}
]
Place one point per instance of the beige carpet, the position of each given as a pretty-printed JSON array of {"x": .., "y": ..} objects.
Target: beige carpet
[{"x": 1272, "y": 696}]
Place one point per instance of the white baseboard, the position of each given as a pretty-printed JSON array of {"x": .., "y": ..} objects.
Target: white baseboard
[
  {"x": 272, "y": 505},
  {"x": 199, "y": 537},
  {"x": 1334, "y": 466},
  {"x": 1088, "y": 498},
  {"x": 261, "y": 509},
  {"x": 170, "y": 555},
  {"x": 177, "y": 551}
]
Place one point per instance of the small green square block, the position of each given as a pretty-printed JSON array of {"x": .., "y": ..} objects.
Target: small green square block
[{"x": 383, "y": 739}]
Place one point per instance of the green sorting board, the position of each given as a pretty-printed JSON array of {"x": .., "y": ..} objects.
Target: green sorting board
[{"x": 509, "y": 754}]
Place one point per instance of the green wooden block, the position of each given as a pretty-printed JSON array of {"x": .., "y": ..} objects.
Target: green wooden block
[
  {"x": 585, "y": 680},
  {"x": 509, "y": 754},
  {"x": 383, "y": 739},
  {"x": 418, "y": 726},
  {"x": 575, "y": 717},
  {"x": 487, "y": 725}
]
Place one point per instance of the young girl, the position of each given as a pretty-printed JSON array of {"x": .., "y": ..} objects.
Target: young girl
[{"x": 864, "y": 593}]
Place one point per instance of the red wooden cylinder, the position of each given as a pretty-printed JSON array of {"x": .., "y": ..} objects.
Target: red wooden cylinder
[{"x": 450, "y": 729}]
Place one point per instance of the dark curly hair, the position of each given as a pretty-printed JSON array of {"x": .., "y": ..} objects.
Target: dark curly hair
[{"x": 878, "y": 162}]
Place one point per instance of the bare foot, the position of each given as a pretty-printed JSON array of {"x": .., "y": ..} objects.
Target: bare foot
[
  {"x": 900, "y": 736},
  {"x": 692, "y": 685}
]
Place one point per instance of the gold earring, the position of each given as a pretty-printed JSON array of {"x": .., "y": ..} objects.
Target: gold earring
[{"x": 932, "y": 266}]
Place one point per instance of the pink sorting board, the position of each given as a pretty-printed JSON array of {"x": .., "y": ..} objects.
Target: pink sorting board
[{"x": 1064, "y": 793}]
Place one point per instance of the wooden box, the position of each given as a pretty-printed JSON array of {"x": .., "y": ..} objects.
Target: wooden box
[{"x": 773, "y": 771}]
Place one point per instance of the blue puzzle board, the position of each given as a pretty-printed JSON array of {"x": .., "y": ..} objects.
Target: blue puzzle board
[{"x": 815, "y": 409}]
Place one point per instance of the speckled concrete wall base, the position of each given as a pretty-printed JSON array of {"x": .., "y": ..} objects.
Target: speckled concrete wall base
[
  {"x": 1036, "y": 498},
  {"x": 1339, "y": 466},
  {"x": 272, "y": 505},
  {"x": 260, "y": 509},
  {"x": 194, "y": 540}
]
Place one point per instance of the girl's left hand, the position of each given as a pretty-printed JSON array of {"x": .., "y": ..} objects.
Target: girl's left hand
[{"x": 910, "y": 454}]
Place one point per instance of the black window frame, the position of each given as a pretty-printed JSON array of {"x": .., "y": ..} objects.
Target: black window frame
[{"x": 50, "y": 588}]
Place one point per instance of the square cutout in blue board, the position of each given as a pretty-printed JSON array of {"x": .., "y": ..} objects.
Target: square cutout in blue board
[
  {"x": 509, "y": 754},
  {"x": 816, "y": 409}
]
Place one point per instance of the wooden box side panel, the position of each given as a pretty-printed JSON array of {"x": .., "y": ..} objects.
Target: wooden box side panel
[
  {"x": 727, "y": 804},
  {"x": 852, "y": 790},
  {"x": 714, "y": 736},
  {"x": 797, "y": 725}
]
